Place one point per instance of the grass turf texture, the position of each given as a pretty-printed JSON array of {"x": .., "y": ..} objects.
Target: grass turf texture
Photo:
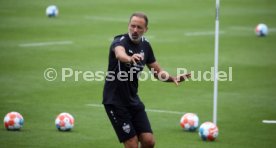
[{"x": 90, "y": 25}]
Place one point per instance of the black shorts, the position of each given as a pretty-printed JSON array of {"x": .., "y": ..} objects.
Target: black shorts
[{"x": 128, "y": 121}]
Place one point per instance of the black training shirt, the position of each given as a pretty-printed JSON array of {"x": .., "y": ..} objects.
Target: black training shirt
[{"x": 121, "y": 83}]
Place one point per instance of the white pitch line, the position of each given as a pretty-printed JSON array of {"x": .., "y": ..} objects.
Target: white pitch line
[
  {"x": 244, "y": 28},
  {"x": 202, "y": 33},
  {"x": 148, "y": 110},
  {"x": 164, "y": 111},
  {"x": 269, "y": 121},
  {"x": 271, "y": 29},
  {"x": 107, "y": 19},
  {"x": 45, "y": 43},
  {"x": 94, "y": 105}
]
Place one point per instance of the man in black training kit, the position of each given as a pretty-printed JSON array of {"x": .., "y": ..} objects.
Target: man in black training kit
[{"x": 128, "y": 55}]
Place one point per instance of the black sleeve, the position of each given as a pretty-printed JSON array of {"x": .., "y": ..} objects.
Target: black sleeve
[
  {"x": 117, "y": 42},
  {"x": 151, "y": 57}
]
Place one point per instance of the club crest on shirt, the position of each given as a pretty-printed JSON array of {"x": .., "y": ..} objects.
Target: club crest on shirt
[
  {"x": 126, "y": 128},
  {"x": 130, "y": 51}
]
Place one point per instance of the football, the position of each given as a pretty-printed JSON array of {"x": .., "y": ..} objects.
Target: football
[
  {"x": 261, "y": 30},
  {"x": 52, "y": 11},
  {"x": 64, "y": 122},
  {"x": 208, "y": 131},
  {"x": 189, "y": 122},
  {"x": 13, "y": 121}
]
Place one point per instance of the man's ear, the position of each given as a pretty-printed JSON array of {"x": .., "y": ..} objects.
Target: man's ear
[{"x": 146, "y": 29}]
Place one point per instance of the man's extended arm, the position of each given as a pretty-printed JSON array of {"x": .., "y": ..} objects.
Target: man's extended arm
[
  {"x": 121, "y": 55},
  {"x": 164, "y": 76}
]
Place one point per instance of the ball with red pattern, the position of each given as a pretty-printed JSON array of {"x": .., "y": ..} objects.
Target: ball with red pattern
[
  {"x": 261, "y": 30},
  {"x": 208, "y": 131},
  {"x": 189, "y": 122},
  {"x": 64, "y": 122},
  {"x": 13, "y": 121}
]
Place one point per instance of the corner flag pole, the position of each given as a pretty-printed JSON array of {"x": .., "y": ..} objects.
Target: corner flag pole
[{"x": 216, "y": 64}]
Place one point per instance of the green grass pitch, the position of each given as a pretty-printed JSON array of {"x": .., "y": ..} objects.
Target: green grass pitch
[{"x": 181, "y": 33}]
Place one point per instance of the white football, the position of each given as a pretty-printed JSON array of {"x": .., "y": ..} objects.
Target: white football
[
  {"x": 261, "y": 30},
  {"x": 208, "y": 131},
  {"x": 64, "y": 122},
  {"x": 52, "y": 11},
  {"x": 189, "y": 122},
  {"x": 13, "y": 121}
]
